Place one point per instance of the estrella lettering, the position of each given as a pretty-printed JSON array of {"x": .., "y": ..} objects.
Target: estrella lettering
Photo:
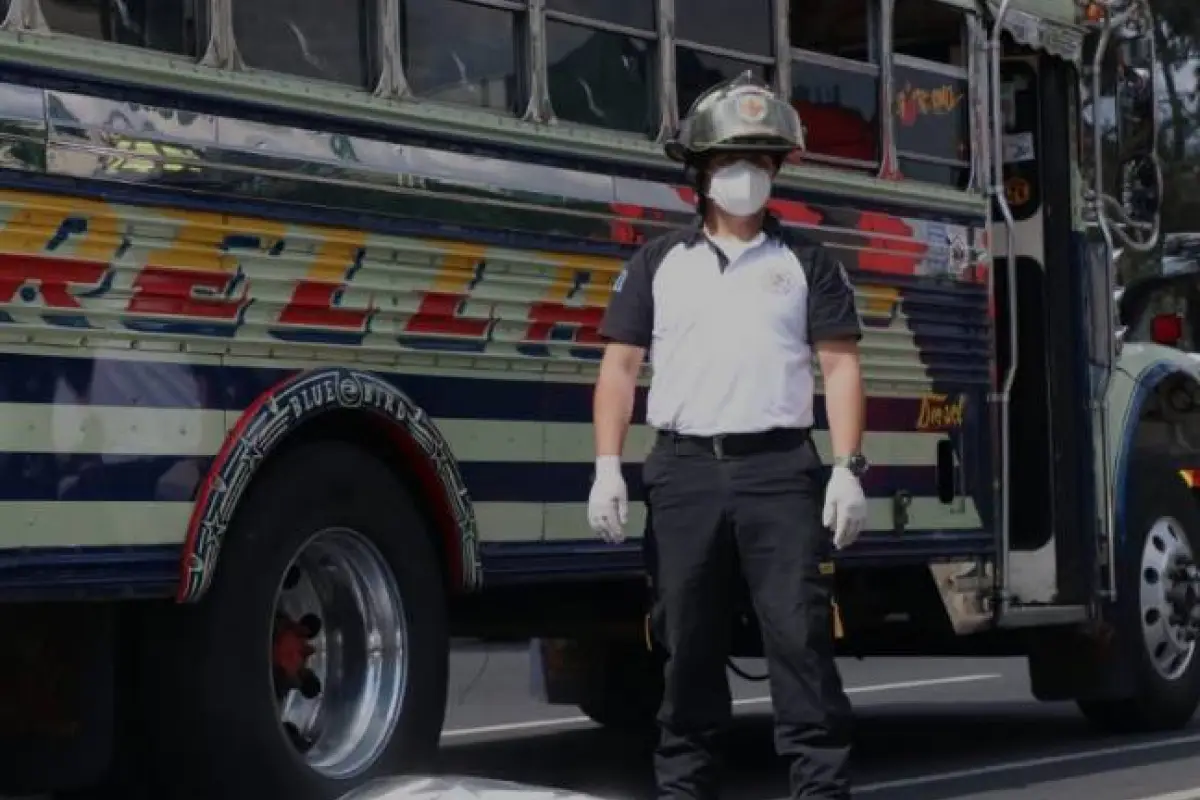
[
  {"x": 440, "y": 324},
  {"x": 318, "y": 304},
  {"x": 210, "y": 303},
  {"x": 56, "y": 282},
  {"x": 555, "y": 322},
  {"x": 912, "y": 103},
  {"x": 939, "y": 412}
]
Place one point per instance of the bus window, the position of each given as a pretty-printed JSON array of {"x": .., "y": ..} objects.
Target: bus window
[
  {"x": 600, "y": 63},
  {"x": 306, "y": 40},
  {"x": 716, "y": 43},
  {"x": 165, "y": 25},
  {"x": 835, "y": 80},
  {"x": 930, "y": 102},
  {"x": 459, "y": 52}
]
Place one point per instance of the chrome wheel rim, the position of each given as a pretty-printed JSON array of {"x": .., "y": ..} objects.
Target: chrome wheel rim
[
  {"x": 339, "y": 653},
  {"x": 1168, "y": 598}
]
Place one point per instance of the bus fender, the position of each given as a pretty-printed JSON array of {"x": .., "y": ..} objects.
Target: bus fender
[
  {"x": 278, "y": 414},
  {"x": 1142, "y": 373}
]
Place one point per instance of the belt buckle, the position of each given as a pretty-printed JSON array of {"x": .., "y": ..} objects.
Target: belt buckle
[{"x": 718, "y": 443}]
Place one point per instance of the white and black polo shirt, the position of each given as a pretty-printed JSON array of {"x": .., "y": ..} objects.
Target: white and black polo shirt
[{"x": 730, "y": 326}]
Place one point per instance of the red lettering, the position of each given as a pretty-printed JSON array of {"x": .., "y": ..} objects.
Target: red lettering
[
  {"x": 54, "y": 277},
  {"x": 544, "y": 317},
  {"x": 316, "y": 303},
  {"x": 167, "y": 292},
  {"x": 621, "y": 229},
  {"x": 895, "y": 251},
  {"x": 438, "y": 314},
  {"x": 795, "y": 212}
]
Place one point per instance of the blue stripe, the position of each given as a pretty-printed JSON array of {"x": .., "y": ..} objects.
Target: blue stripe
[
  {"x": 145, "y": 384},
  {"x": 511, "y": 563},
  {"x": 82, "y": 573},
  {"x": 50, "y": 477}
]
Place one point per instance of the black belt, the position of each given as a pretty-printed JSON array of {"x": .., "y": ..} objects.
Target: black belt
[{"x": 735, "y": 444}]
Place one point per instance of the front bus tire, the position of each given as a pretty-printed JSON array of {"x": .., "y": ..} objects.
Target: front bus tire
[
  {"x": 319, "y": 657},
  {"x": 1157, "y": 606}
]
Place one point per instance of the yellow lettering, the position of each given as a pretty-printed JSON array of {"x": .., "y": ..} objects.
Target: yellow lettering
[
  {"x": 939, "y": 412},
  {"x": 915, "y": 102}
]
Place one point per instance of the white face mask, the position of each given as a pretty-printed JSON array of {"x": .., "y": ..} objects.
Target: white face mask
[{"x": 740, "y": 189}]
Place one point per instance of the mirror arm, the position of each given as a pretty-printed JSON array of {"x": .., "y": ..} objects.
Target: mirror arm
[{"x": 1114, "y": 229}]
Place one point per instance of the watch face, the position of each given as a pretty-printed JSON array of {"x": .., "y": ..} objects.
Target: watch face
[{"x": 857, "y": 463}]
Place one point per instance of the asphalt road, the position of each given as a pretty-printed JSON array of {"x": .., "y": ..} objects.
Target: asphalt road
[{"x": 928, "y": 729}]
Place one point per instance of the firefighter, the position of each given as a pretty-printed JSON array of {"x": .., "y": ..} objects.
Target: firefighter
[{"x": 732, "y": 309}]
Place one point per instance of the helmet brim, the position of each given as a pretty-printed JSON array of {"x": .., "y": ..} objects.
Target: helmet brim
[{"x": 750, "y": 144}]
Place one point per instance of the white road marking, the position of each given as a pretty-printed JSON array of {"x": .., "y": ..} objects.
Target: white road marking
[
  {"x": 559, "y": 722},
  {"x": 1186, "y": 794},
  {"x": 1043, "y": 761}
]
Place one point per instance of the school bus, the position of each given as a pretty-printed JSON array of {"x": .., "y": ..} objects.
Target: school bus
[{"x": 298, "y": 320}]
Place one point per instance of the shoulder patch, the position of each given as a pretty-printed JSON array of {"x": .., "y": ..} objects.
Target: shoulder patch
[{"x": 620, "y": 281}]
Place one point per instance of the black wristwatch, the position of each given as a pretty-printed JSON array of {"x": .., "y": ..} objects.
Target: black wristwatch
[{"x": 856, "y": 463}]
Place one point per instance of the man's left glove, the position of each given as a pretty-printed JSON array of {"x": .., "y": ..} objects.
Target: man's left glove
[{"x": 845, "y": 507}]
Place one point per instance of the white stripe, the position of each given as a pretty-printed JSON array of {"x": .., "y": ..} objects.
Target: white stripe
[
  {"x": 1186, "y": 794},
  {"x": 559, "y": 722},
  {"x": 564, "y": 442},
  {"x": 110, "y": 430},
  {"x": 1034, "y": 763},
  {"x": 89, "y": 524},
  {"x": 122, "y": 430}
]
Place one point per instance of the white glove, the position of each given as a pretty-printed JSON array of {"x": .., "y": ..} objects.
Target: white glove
[
  {"x": 608, "y": 504},
  {"x": 845, "y": 507}
]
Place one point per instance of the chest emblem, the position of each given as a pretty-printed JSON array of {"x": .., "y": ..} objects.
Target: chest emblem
[{"x": 779, "y": 281}]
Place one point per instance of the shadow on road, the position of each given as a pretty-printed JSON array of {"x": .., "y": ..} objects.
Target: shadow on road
[{"x": 893, "y": 743}]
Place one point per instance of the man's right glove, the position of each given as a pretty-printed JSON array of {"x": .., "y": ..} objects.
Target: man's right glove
[
  {"x": 845, "y": 507},
  {"x": 608, "y": 504}
]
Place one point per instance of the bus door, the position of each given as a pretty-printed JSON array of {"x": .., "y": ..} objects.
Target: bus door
[{"x": 1037, "y": 297}]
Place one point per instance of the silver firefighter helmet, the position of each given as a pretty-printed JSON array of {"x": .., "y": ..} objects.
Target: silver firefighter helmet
[{"x": 741, "y": 114}]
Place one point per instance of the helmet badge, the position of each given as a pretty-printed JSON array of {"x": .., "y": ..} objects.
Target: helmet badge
[{"x": 751, "y": 108}]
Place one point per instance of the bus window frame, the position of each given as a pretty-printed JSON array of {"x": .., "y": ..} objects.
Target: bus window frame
[
  {"x": 218, "y": 50},
  {"x": 652, "y": 37},
  {"x": 963, "y": 73}
]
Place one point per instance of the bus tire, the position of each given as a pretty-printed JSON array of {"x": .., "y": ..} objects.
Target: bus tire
[
  {"x": 1163, "y": 525},
  {"x": 328, "y": 541}
]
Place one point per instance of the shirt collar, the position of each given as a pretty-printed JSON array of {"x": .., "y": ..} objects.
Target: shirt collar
[{"x": 771, "y": 226}]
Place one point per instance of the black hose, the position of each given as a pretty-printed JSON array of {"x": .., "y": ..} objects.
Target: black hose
[{"x": 745, "y": 675}]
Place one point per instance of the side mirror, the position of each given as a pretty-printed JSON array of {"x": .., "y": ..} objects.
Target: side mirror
[
  {"x": 1141, "y": 198},
  {"x": 1136, "y": 214}
]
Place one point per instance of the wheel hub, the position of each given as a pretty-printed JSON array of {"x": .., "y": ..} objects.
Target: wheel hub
[
  {"x": 338, "y": 653},
  {"x": 1170, "y": 598}
]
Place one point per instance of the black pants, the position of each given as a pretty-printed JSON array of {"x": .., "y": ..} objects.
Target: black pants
[{"x": 760, "y": 510}]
